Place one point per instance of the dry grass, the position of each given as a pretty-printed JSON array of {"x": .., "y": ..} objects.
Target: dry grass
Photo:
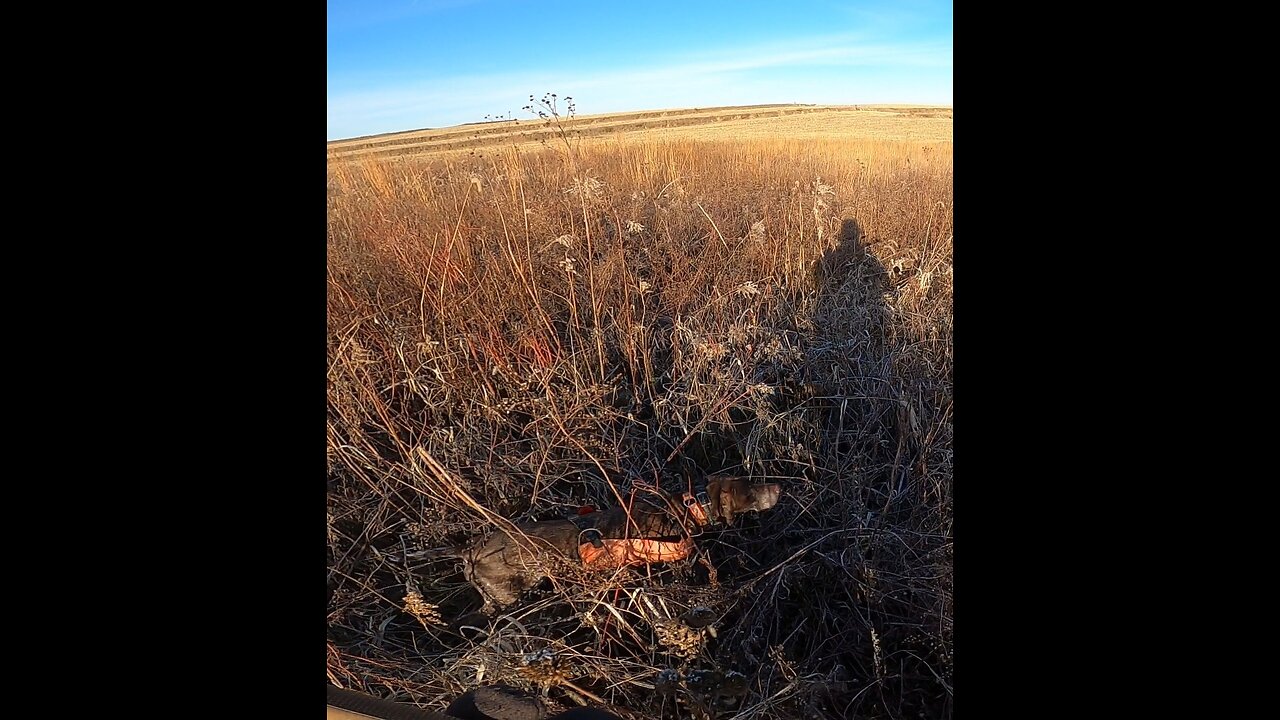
[
  {"x": 514, "y": 335},
  {"x": 763, "y": 122}
]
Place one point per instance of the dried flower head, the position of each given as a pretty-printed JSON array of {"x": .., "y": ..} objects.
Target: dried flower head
[
  {"x": 679, "y": 639},
  {"x": 587, "y": 188},
  {"x": 425, "y": 612},
  {"x": 544, "y": 668},
  {"x": 926, "y": 278}
]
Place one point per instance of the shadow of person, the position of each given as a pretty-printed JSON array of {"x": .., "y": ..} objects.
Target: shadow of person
[
  {"x": 850, "y": 373},
  {"x": 852, "y": 309},
  {"x": 837, "y": 262}
]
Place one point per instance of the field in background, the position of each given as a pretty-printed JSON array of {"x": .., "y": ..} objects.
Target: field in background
[
  {"x": 767, "y": 122},
  {"x": 526, "y": 330}
]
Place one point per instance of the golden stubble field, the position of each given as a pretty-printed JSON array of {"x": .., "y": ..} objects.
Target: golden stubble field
[
  {"x": 922, "y": 124},
  {"x": 519, "y": 326}
]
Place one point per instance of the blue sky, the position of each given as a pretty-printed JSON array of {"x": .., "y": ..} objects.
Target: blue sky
[{"x": 407, "y": 64}]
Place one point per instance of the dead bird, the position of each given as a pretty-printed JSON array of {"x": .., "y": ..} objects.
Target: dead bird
[{"x": 658, "y": 528}]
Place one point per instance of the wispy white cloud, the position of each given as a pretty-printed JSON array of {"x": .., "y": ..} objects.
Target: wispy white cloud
[{"x": 730, "y": 76}]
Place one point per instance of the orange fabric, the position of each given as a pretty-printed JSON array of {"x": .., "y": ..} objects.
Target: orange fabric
[{"x": 618, "y": 553}]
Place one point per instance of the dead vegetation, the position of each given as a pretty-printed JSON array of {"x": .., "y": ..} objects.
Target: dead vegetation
[
  {"x": 920, "y": 124},
  {"x": 516, "y": 335}
]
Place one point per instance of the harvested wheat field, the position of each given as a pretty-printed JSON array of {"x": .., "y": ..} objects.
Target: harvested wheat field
[
  {"x": 759, "y": 122},
  {"x": 519, "y": 327}
]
